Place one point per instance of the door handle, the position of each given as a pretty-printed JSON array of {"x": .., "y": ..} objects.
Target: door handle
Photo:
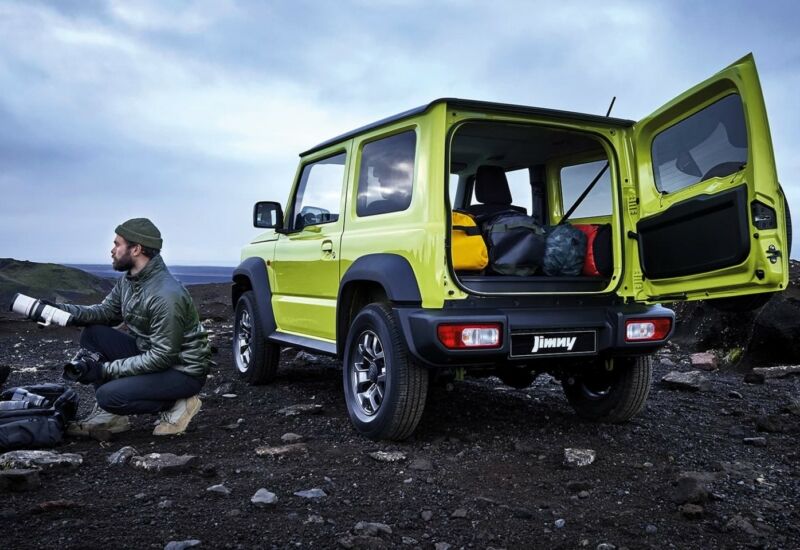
[{"x": 327, "y": 246}]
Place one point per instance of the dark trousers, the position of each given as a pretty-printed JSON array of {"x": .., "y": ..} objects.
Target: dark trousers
[{"x": 143, "y": 393}]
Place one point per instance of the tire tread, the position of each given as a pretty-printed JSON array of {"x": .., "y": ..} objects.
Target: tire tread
[{"x": 266, "y": 355}]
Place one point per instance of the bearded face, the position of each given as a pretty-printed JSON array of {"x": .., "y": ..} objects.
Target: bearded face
[{"x": 121, "y": 259}]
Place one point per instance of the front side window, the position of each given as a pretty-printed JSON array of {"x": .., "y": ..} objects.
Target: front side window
[
  {"x": 710, "y": 143},
  {"x": 574, "y": 181},
  {"x": 318, "y": 194},
  {"x": 386, "y": 175}
]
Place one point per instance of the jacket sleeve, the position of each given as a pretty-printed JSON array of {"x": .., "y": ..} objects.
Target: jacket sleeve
[
  {"x": 166, "y": 338},
  {"x": 108, "y": 312}
]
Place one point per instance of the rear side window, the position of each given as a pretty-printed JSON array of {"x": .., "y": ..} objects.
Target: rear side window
[
  {"x": 710, "y": 143},
  {"x": 386, "y": 175},
  {"x": 318, "y": 194},
  {"x": 574, "y": 181}
]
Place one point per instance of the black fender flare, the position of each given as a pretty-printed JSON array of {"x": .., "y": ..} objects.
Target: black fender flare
[
  {"x": 391, "y": 271},
  {"x": 252, "y": 274}
]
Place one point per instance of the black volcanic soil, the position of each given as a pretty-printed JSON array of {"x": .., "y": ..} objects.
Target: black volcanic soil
[{"x": 496, "y": 477}]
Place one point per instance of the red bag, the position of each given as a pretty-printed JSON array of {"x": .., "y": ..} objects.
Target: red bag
[{"x": 598, "y": 250}]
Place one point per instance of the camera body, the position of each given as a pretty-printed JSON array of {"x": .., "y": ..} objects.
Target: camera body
[
  {"x": 40, "y": 311},
  {"x": 74, "y": 367}
]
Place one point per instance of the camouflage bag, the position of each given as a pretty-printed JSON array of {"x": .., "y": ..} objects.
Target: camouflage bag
[{"x": 564, "y": 251}]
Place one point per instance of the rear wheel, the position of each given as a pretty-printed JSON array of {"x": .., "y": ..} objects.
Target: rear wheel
[
  {"x": 614, "y": 395},
  {"x": 384, "y": 388},
  {"x": 255, "y": 359}
]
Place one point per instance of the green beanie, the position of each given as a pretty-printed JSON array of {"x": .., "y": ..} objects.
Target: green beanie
[{"x": 140, "y": 231}]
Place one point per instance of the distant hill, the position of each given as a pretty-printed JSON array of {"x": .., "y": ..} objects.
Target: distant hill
[{"x": 49, "y": 281}]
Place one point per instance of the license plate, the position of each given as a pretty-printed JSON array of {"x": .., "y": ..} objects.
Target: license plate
[{"x": 543, "y": 344}]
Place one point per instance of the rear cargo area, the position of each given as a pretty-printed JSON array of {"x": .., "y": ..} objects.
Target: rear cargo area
[{"x": 515, "y": 182}]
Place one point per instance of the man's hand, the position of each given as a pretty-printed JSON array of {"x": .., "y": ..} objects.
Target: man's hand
[{"x": 86, "y": 369}]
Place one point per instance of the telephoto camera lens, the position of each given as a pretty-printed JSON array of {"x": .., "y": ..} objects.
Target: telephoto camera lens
[
  {"x": 13, "y": 405},
  {"x": 35, "y": 400},
  {"x": 40, "y": 312}
]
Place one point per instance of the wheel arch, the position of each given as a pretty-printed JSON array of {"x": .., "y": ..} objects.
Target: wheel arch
[
  {"x": 251, "y": 274},
  {"x": 373, "y": 278}
]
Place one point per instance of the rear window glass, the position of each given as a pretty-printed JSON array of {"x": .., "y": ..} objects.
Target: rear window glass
[
  {"x": 574, "y": 181},
  {"x": 710, "y": 143},
  {"x": 386, "y": 175}
]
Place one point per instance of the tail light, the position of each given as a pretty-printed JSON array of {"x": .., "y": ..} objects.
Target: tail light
[
  {"x": 468, "y": 336},
  {"x": 644, "y": 330}
]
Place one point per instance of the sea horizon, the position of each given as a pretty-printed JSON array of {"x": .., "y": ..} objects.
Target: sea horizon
[{"x": 186, "y": 274}]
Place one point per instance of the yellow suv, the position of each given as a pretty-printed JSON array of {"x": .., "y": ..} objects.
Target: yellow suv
[{"x": 682, "y": 205}]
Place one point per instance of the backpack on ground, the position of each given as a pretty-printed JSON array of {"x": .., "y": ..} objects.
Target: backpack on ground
[
  {"x": 565, "y": 251},
  {"x": 515, "y": 242},
  {"x": 35, "y": 416},
  {"x": 467, "y": 245}
]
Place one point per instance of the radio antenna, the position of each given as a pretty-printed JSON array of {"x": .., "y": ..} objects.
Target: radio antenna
[{"x": 613, "y": 99}]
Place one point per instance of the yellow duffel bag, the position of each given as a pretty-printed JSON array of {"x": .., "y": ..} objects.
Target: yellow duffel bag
[{"x": 468, "y": 247}]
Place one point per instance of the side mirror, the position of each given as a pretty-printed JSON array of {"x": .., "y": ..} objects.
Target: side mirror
[{"x": 268, "y": 215}]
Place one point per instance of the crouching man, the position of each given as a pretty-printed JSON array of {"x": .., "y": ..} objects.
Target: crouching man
[{"x": 162, "y": 364}]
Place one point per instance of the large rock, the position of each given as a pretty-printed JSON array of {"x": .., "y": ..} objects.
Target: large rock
[
  {"x": 164, "y": 463},
  {"x": 770, "y": 335},
  {"x": 689, "y": 381},
  {"x": 775, "y": 336},
  {"x": 780, "y": 371},
  {"x": 40, "y": 459}
]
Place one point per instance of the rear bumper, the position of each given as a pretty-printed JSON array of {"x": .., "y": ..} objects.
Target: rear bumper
[{"x": 606, "y": 322}]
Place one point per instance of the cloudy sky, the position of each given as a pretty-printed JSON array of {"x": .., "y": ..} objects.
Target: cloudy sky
[{"x": 188, "y": 112}]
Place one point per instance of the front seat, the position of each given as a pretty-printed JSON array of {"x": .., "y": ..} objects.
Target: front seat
[{"x": 492, "y": 192}]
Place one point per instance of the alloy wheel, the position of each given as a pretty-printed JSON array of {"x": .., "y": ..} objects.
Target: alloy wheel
[
  {"x": 368, "y": 373},
  {"x": 244, "y": 336}
]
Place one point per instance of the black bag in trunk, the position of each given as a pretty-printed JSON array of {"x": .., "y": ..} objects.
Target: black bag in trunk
[
  {"x": 35, "y": 416},
  {"x": 515, "y": 242}
]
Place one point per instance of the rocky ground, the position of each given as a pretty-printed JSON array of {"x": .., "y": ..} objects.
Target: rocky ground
[{"x": 714, "y": 468}]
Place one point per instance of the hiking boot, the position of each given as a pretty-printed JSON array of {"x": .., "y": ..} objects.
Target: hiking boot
[
  {"x": 175, "y": 420},
  {"x": 99, "y": 421}
]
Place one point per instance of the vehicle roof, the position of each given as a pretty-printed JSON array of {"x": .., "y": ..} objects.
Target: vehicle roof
[{"x": 472, "y": 104}]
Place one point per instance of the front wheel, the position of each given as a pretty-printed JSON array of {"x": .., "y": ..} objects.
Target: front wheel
[
  {"x": 255, "y": 359},
  {"x": 615, "y": 395},
  {"x": 384, "y": 388}
]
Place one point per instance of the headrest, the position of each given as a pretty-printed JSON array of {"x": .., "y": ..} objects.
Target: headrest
[{"x": 491, "y": 185}]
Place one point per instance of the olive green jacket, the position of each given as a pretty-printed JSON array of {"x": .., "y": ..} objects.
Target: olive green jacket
[{"x": 160, "y": 314}]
